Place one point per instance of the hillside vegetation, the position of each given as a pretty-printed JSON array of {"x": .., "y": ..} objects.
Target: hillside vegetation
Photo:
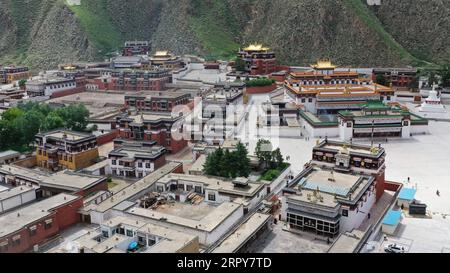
[{"x": 44, "y": 33}]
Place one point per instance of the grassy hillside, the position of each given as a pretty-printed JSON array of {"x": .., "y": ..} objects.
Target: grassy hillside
[
  {"x": 95, "y": 19},
  {"x": 215, "y": 27},
  {"x": 368, "y": 17}
]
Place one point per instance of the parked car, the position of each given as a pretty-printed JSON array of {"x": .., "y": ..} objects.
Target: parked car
[{"x": 394, "y": 248}]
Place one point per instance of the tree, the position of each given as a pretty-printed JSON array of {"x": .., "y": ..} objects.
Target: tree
[
  {"x": 380, "y": 79},
  {"x": 210, "y": 167},
  {"x": 22, "y": 83},
  {"x": 264, "y": 152},
  {"x": 11, "y": 114},
  {"x": 444, "y": 72},
  {"x": 52, "y": 121},
  {"x": 239, "y": 64},
  {"x": 277, "y": 157},
  {"x": 242, "y": 161},
  {"x": 76, "y": 117},
  {"x": 228, "y": 164}
]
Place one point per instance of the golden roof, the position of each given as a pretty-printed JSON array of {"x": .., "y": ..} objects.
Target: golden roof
[
  {"x": 323, "y": 64},
  {"x": 161, "y": 53},
  {"x": 256, "y": 47}
]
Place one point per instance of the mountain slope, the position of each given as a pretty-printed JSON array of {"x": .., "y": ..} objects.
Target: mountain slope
[{"x": 399, "y": 32}]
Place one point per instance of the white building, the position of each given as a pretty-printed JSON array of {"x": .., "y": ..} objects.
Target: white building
[{"x": 15, "y": 197}]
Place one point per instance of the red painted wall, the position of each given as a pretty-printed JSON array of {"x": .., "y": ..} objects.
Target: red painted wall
[{"x": 261, "y": 90}]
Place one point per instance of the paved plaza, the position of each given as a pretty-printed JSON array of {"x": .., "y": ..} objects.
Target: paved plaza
[{"x": 423, "y": 158}]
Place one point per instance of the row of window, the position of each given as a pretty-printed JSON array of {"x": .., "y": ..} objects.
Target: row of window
[
  {"x": 121, "y": 163},
  {"x": 56, "y": 86},
  {"x": 16, "y": 240},
  {"x": 301, "y": 222}
]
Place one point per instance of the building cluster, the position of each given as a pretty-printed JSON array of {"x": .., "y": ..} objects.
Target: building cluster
[{"x": 159, "y": 136}]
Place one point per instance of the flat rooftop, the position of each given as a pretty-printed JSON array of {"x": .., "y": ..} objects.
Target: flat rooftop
[
  {"x": 198, "y": 164},
  {"x": 238, "y": 238},
  {"x": 65, "y": 179},
  {"x": 71, "y": 180},
  {"x": 208, "y": 223},
  {"x": 69, "y": 135},
  {"x": 132, "y": 153},
  {"x": 328, "y": 188},
  {"x": 137, "y": 187},
  {"x": 15, "y": 191},
  {"x": 221, "y": 185},
  {"x": 166, "y": 94},
  {"x": 366, "y": 150},
  {"x": 172, "y": 240},
  {"x": 150, "y": 117},
  {"x": 20, "y": 218},
  {"x": 9, "y": 153}
]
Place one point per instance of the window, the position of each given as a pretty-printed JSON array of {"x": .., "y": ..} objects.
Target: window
[
  {"x": 345, "y": 213},
  {"x": 3, "y": 247},
  {"x": 120, "y": 230},
  {"x": 16, "y": 242},
  {"x": 151, "y": 242},
  {"x": 140, "y": 164},
  {"x": 310, "y": 100},
  {"x": 33, "y": 231},
  {"x": 48, "y": 224},
  {"x": 198, "y": 189},
  {"x": 211, "y": 197},
  {"x": 129, "y": 233},
  {"x": 141, "y": 240},
  {"x": 105, "y": 233},
  {"x": 147, "y": 165},
  {"x": 114, "y": 162},
  {"x": 189, "y": 187}
]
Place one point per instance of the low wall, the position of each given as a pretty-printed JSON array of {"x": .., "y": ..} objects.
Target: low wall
[
  {"x": 105, "y": 138},
  {"x": 68, "y": 92},
  {"x": 261, "y": 89},
  {"x": 28, "y": 162}
]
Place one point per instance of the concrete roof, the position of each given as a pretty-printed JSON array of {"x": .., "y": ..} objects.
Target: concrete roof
[
  {"x": 208, "y": 223},
  {"x": 8, "y": 153},
  {"x": 172, "y": 241},
  {"x": 20, "y": 218},
  {"x": 65, "y": 179},
  {"x": 334, "y": 187},
  {"x": 242, "y": 234},
  {"x": 215, "y": 183},
  {"x": 15, "y": 191},
  {"x": 198, "y": 164},
  {"x": 137, "y": 187}
]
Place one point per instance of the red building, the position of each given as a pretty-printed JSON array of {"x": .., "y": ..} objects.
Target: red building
[
  {"x": 10, "y": 74},
  {"x": 24, "y": 228},
  {"x": 132, "y": 80},
  {"x": 398, "y": 77},
  {"x": 150, "y": 129},
  {"x": 133, "y": 48},
  {"x": 258, "y": 60},
  {"x": 157, "y": 101}
]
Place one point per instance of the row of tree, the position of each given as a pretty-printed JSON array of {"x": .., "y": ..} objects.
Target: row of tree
[
  {"x": 268, "y": 158},
  {"x": 19, "y": 125},
  {"x": 228, "y": 164}
]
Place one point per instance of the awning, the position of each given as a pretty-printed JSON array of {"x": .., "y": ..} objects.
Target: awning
[
  {"x": 368, "y": 160},
  {"x": 4, "y": 243},
  {"x": 17, "y": 237},
  {"x": 319, "y": 153},
  {"x": 33, "y": 227},
  {"x": 357, "y": 159},
  {"x": 49, "y": 221}
]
